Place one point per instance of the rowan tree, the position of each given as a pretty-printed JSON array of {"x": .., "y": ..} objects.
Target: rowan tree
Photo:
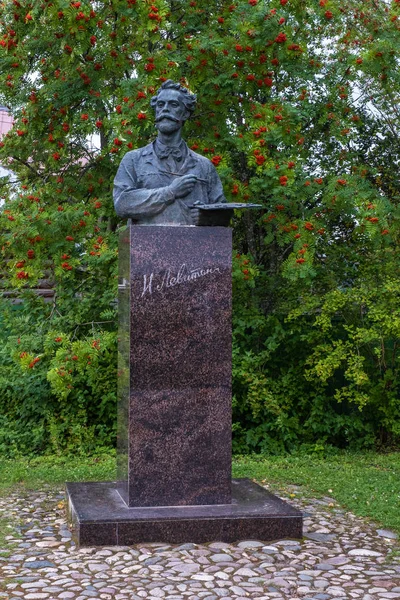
[{"x": 298, "y": 110}]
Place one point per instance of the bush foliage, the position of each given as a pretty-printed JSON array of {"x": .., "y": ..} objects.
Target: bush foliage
[{"x": 298, "y": 109}]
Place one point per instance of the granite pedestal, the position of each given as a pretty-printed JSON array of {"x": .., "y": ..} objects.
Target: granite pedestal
[
  {"x": 174, "y": 438},
  {"x": 174, "y": 410},
  {"x": 100, "y": 517}
]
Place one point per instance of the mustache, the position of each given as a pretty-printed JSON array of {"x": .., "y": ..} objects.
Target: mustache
[{"x": 167, "y": 119}]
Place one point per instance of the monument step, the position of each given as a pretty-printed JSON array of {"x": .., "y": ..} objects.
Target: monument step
[{"x": 100, "y": 517}]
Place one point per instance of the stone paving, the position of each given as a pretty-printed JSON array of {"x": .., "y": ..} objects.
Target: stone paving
[{"x": 341, "y": 556}]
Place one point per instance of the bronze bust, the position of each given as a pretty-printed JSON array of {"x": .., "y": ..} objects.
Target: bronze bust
[{"x": 161, "y": 183}]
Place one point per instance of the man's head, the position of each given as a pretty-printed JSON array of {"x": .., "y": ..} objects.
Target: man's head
[{"x": 173, "y": 105}]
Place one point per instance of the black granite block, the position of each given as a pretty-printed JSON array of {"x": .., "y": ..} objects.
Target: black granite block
[
  {"x": 174, "y": 417},
  {"x": 100, "y": 517}
]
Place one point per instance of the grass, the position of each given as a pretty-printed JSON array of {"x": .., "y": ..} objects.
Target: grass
[
  {"x": 367, "y": 484},
  {"x": 55, "y": 470}
]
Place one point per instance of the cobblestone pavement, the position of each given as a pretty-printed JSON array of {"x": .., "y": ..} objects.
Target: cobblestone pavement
[{"x": 341, "y": 556}]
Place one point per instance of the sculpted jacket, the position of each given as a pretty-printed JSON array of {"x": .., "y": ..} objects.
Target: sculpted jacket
[{"x": 140, "y": 187}]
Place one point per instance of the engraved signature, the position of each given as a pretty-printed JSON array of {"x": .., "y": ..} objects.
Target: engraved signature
[{"x": 169, "y": 279}]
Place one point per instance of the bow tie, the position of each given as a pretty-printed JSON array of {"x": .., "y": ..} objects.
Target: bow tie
[{"x": 176, "y": 153}]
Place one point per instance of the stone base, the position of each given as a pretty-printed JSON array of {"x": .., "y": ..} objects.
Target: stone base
[{"x": 99, "y": 517}]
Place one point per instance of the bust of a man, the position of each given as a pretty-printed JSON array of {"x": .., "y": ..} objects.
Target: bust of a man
[{"x": 160, "y": 183}]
